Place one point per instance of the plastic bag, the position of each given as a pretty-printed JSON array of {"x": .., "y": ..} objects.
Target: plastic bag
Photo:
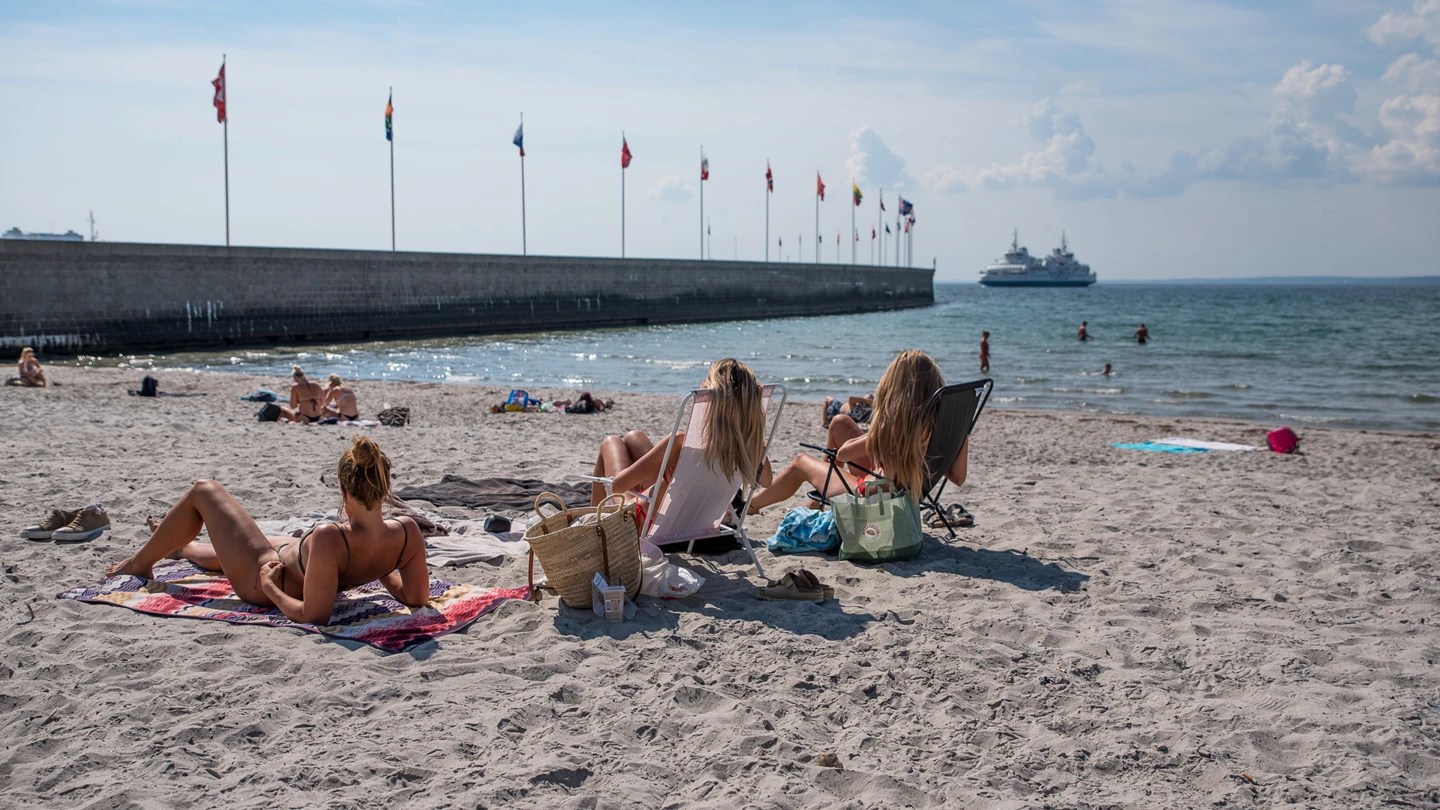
[
  {"x": 663, "y": 579},
  {"x": 803, "y": 529}
]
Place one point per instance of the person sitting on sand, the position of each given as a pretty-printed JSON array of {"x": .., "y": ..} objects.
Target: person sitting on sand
[
  {"x": 306, "y": 400},
  {"x": 895, "y": 445},
  {"x": 857, "y": 408},
  {"x": 340, "y": 400},
  {"x": 734, "y": 439},
  {"x": 301, "y": 578},
  {"x": 31, "y": 373}
]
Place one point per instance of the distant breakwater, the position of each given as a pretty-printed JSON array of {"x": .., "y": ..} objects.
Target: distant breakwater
[{"x": 103, "y": 297}]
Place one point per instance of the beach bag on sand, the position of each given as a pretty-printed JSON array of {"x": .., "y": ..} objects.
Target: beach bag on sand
[
  {"x": 269, "y": 412},
  {"x": 573, "y": 544},
  {"x": 878, "y": 525},
  {"x": 1283, "y": 440},
  {"x": 394, "y": 417},
  {"x": 149, "y": 387}
]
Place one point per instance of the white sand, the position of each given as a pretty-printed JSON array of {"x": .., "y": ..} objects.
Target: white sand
[{"x": 1120, "y": 629}]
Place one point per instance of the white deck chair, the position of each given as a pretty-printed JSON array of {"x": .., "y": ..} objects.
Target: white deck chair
[{"x": 697, "y": 498}]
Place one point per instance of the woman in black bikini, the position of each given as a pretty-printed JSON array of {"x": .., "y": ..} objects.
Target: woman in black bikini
[
  {"x": 301, "y": 578},
  {"x": 340, "y": 401},
  {"x": 306, "y": 398}
]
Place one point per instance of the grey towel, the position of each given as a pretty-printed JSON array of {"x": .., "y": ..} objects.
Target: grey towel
[{"x": 516, "y": 494}]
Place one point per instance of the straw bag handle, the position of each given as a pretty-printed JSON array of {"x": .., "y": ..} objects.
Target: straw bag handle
[
  {"x": 550, "y": 498},
  {"x": 600, "y": 530}
]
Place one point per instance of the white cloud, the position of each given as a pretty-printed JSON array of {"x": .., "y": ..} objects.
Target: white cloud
[
  {"x": 1403, "y": 27},
  {"x": 1065, "y": 161},
  {"x": 672, "y": 190},
  {"x": 1418, "y": 74},
  {"x": 872, "y": 161}
]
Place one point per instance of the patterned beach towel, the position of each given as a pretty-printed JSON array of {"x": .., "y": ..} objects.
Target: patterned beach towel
[{"x": 367, "y": 614}]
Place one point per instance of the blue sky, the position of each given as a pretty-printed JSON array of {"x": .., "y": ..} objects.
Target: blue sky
[{"x": 1168, "y": 138}]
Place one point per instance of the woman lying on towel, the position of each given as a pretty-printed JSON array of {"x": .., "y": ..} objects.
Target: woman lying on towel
[
  {"x": 734, "y": 439},
  {"x": 895, "y": 445},
  {"x": 301, "y": 578}
]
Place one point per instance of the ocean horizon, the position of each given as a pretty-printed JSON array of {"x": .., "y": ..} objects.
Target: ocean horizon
[{"x": 1351, "y": 355}]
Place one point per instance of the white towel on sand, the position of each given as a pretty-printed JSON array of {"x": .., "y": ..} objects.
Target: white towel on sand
[{"x": 1202, "y": 445}]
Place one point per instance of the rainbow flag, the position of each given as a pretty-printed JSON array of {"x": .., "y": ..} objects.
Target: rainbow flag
[{"x": 389, "y": 111}]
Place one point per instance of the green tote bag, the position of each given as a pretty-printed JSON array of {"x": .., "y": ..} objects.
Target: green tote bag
[{"x": 878, "y": 525}]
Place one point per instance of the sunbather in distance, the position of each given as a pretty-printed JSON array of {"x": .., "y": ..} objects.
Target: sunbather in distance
[
  {"x": 30, "y": 371},
  {"x": 340, "y": 400},
  {"x": 734, "y": 439},
  {"x": 857, "y": 408},
  {"x": 895, "y": 445},
  {"x": 306, "y": 399},
  {"x": 302, "y": 577}
]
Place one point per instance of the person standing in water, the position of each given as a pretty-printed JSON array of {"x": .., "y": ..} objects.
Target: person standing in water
[
  {"x": 1142, "y": 334},
  {"x": 984, "y": 352},
  {"x": 1106, "y": 372},
  {"x": 1083, "y": 334}
]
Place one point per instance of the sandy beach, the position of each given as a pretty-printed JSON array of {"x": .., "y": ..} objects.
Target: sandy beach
[{"x": 1120, "y": 629}]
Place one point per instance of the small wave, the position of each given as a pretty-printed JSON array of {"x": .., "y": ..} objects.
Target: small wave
[
  {"x": 1312, "y": 419},
  {"x": 1008, "y": 400},
  {"x": 1422, "y": 399},
  {"x": 1239, "y": 386},
  {"x": 1029, "y": 380},
  {"x": 1190, "y": 394},
  {"x": 829, "y": 380},
  {"x": 1086, "y": 390},
  {"x": 678, "y": 365}
]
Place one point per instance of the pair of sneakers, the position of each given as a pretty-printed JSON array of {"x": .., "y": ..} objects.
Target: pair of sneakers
[{"x": 63, "y": 524}]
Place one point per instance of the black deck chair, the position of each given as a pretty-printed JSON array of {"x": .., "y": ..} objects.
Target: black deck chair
[{"x": 957, "y": 408}]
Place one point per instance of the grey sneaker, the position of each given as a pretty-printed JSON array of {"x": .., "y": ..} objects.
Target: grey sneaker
[
  {"x": 89, "y": 523},
  {"x": 57, "y": 520}
]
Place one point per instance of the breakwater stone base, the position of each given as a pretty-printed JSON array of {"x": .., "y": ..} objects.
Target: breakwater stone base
[{"x": 80, "y": 297}]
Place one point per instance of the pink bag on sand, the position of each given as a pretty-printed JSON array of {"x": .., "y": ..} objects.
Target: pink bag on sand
[{"x": 1283, "y": 440}]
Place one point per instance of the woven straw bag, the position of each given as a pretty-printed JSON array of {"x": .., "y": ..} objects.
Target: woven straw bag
[{"x": 572, "y": 554}]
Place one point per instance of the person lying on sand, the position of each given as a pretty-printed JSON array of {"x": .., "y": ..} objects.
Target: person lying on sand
[
  {"x": 857, "y": 408},
  {"x": 734, "y": 446},
  {"x": 340, "y": 400},
  {"x": 31, "y": 373},
  {"x": 306, "y": 400},
  {"x": 301, "y": 578},
  {"x": 895, "y": 445}
]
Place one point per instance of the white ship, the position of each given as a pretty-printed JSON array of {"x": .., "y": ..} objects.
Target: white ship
[{"x": 1020, "y": 269}]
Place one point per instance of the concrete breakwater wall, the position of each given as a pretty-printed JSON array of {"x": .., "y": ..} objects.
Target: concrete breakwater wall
[{"x": 78, "y": 297}]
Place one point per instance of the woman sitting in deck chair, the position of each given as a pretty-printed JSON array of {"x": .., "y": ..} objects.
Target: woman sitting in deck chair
[
  {"x": 895, "y": 446},
  {"x": 734, "y": 440}
]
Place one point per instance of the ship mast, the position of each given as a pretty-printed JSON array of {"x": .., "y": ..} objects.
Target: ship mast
[{"x": 1015, "y": 241}]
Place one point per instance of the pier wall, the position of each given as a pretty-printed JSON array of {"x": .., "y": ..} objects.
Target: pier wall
[{"x": 99, "y": 297}]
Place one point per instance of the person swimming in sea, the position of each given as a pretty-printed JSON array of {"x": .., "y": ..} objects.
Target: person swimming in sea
[
  {"x": 1106, "y": 372},
  {"x": 984, "y": 352},
  {"x": 1083, "y": 334},
  {"x": 1142, "y": 334}
]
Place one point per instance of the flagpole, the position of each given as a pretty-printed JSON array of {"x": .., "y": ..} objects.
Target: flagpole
[
  {"x": 878, "y": 232},
  {"x": 817, "y": 223},
  {"x": 524, "y": 245},
  {"x": 226, "y": 127},
  {"x": 622, "y": 200},
  {"x": 852, "y": 231},
  {"x": 767, "y": 221},
  {"x": 702, "y": 202},
  {"x": 392, "y": 180}
]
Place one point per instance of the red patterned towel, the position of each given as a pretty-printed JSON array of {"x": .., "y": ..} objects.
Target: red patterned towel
[{"x": 366, "y": 614}]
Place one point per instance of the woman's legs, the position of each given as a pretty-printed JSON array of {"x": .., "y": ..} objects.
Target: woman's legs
[
  {"x": 617, "y": 453},
  {"x": 239, "y": 545},
  {"x": 803, "y": 470}
]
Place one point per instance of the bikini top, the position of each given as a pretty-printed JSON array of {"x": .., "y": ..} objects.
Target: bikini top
[{"x": 345, "y": 575}]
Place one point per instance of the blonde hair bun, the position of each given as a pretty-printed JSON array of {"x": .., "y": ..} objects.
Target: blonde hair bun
[{"x": 365, "y": 472}]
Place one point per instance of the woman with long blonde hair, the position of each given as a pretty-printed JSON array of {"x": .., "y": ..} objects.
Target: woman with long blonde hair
[
  {"x": 895, "y": 446},
  {"x": 734, "y": 438},
  {"x": 301, "y": 578}
]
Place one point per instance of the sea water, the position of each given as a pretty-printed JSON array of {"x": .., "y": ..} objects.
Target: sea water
[{"x": 1352, "y": 355}]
